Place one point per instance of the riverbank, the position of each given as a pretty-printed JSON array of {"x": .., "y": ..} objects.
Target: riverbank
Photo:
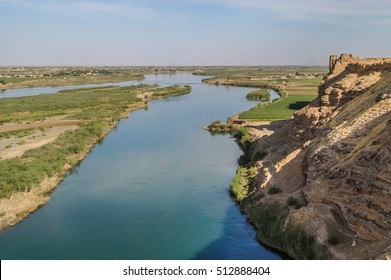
[
  {"x": 27, "y": 181},
  {"x": 20, "y": 204},
  {"x": 321, "y": 190},
  {"x": 254, "y": 131}
]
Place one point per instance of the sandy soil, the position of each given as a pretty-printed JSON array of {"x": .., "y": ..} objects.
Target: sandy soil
[
  {"x": 21, "y": 204},
  {"x": 54, "y": 122},
  {"x": 260, "y": 129},
  {"x": 44, "y": 133}
]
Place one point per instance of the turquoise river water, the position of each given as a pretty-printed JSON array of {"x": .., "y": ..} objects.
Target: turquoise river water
[{"x": 155, "y": 188}]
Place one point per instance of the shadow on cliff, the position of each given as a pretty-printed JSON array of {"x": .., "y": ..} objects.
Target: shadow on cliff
[{"x": 237, "y": 242}]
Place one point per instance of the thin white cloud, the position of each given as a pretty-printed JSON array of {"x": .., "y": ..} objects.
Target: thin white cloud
[
  {"x": 336, "y": 12},
  {"x": 323, "y": 10},
  {"x": 80, "y": 8},
  {"x": 320, "y": 7}
]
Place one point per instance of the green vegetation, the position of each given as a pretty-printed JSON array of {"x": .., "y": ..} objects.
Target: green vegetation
[
  {"x": 171, "y": 91},
  {"x": 240, "y": 184},
  {"x": 60, "y": 76},
  {"x": 259, "y": 95},
  {"x": 97, "y": 103},
  {"x": 243, "y": 136},
  {"x": 282, "y": 109},
  {"x": 83, "y": 104},
  {"x": 218, "y": 127},
  {"x": 16, "y": 133},
  {"x": 273, "y": 190},
  {"x": 298, "y": 84},
  {"x": 292, "y": 201},
  {"x": 285, "y": 81},
  {"x": 23, "y": 77},
  {"x": 26, "y": 172},
  {"x": 101, "y": 108},
  {"x": 254, "y": 73},
  {"x": 275, "y": 100}
]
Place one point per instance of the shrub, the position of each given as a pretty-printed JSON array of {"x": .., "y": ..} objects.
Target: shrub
[
  {"x": 333, "y": 240},
  {"x": 291, "y": 201},
  {"x": 259, "y": 95},
  {"x": 240, "y": 185},
  {"x": 273, "y": 190}
]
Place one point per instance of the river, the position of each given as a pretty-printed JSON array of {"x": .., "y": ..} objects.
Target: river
[{"x": 155, "y": 188}]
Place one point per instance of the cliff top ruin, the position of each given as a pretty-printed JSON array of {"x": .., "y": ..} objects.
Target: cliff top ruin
[{"x": 355, "y": 64}]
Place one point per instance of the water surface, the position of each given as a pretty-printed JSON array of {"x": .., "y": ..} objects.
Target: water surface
[{"x": 155, "y": 188}]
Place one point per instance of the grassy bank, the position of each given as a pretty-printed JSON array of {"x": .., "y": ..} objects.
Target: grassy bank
[{"x": 240, "y": 184}]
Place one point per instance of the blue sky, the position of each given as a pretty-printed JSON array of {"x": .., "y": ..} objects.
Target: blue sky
[{"x": 190, "y": 32}]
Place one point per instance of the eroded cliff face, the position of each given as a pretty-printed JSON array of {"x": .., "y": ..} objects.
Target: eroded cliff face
[{"x": 332, "y": 163}]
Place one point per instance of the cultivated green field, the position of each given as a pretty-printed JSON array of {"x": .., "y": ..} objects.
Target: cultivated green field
[{"x": 282, "y": 109}]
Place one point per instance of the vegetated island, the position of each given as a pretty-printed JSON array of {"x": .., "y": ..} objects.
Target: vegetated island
[
  {"x": 319, "y": 187},
  {"x": 42, "y": 137}
]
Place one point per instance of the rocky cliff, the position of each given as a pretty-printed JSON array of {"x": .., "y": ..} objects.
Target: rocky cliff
[{"x": 323, "y": 188}]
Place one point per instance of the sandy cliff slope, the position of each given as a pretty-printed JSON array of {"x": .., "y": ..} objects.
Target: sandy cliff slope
[{"x": 332, "y": 163}]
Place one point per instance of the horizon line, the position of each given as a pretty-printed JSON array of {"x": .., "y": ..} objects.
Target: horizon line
[{"x": 173, "y": 66}]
